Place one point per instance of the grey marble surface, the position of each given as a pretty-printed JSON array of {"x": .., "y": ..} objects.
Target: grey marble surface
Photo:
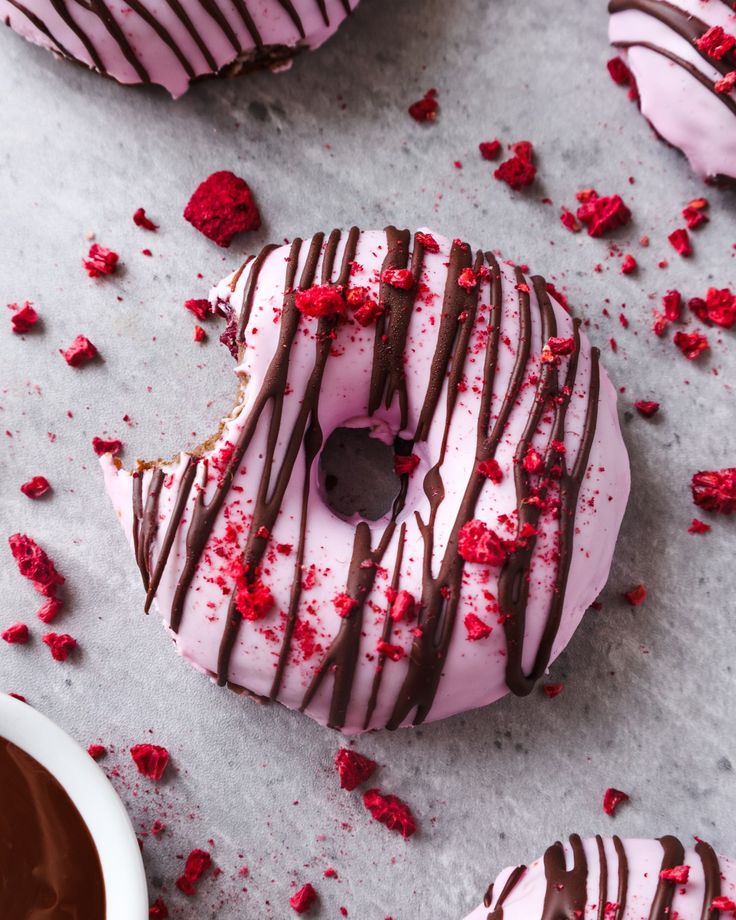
[{"x": 649, "y": 692}]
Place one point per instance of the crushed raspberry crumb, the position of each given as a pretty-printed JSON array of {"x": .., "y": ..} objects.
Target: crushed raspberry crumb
[
  {"x": 603, "y": 215},
  {"x": 468, "y": 279},
  {"x": 553, "y": 690},
  {"x": 555, "y": 348},
  {"x": 679, "y": 874},
  {"x": 97, "y": 751},
  {"x": 428, "y": 241},
  {"x": 80, "y": 352},
  {"x": 398, "y": 277},
  {"x": 106, "y": 446},
  {"x": 343, "y": 604},
  {"x": 100, "y": 261},
  {"x": 158, "y": 910},
  {"x": 518, "y": 171},
  {"x": 403, "y": 607},
  {"x": 680, "y": 242},
  {"x": 303, "y": 900},
  {"x": 23, "y": 319},
  {"x": 476, "y": 628},
  {"x": 646, "y": 408},
  {"x": 716, "y": 43},
  {"x": 391, "y": 811},
  {"x": 61, "y": 646},
  {"x": 723, "y": 903},
  {"x": 569, "y": 221},
  {"x": 691, "y": 344},
  {"x": 636, "y": 596},
  {"x": 726, "y": 84},
  {"x": 694, "y": 213},
  {"x": 49, "y": 609},
  {"x": 221, "y": 207},
  {"x": 200, "y": 307},
  {"x": 612, "y": 798},
  {"x": 672, "y": 305},
  {"x": 620, "y": 73},
  {"x": 353, "y": 768},
  {"x": 394, "y": 652},
  {"x": 198, "y": 862},
  {"x": 36, "y": 487},
  {"x": 718, "y": 308},
  {"x": 199, "y": 334},
  {"x": 425, "y": 109},
  {"x": 321, "y": 300},
  {"x": 491, "y": 469},
  {"x": 151, "y": 760},
  {"x": 34, "y": 564},
  {"x": 715, "y": 490},
  {"x": 478, "y": 543},
  {"x": 405, "y": 466},
  {"x": 698, "y": 527},
  {"x": 253, "y": 600},
  {"x": 490, "y": 150},
  {"x": 17, "y": 634},
  {"x": 140, "y": 220},
  {"x": 629, "y": 265},
  {"x": 533, "y": 461}
]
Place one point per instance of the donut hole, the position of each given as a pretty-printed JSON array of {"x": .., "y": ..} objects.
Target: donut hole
[{"x": 356, "y": 471}]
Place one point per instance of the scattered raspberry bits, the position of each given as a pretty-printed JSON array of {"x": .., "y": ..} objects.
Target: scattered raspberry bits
[
  {"x": 602, "y": 214},
  {"x": 718, "y": 308},
  {"x": 427, "y": 108},
  {"x": 694, "y": 213},
  {"x": 629, "y": 265},
  {"x": 353, "y": 768},
  {"x": 612, "y": 798},
  {"x": 97, "y": 751},
  {"x": 404, "y": 607},
  {"x": 405, "y": 466},
  {"x": 401, "y": 278},
  {"x": 34, "y": 564},
  {"x": 715, "y": 490},
  {"x": 491, "y": 469},
  {"x": 151, "y": 760},
  {"x": 428, "y": 241},
  {"x": 200, "y": 308},
  {"x": 80, "y": 352},
  {"x": 552, "y": 690},
  {"x": 198, "y": 862},
  {"x": 321, "y": 300},
  {"x": 49, "y": 610},
  {"x": 17, "y": 634},
  {"x": 23, "y": 318},
  {"x": 620, "y": 73},
  {"x": 518, "y": 171},
  {"x": 221, "y": 207},
  {"x": 680, "y": 241},
  {"x": 199, "y": 334},
  {"x": 61, "y": 645},
  {"x": 716, "y": 43},
  {"x": 646, "y": 408},
  {"x": 476, "y": 628},
  {"x": 490, "y": 150},
  {"x": 303, "y": 900},
  {"x": 100, "y": 261},
  {"x": 253, "y": 599},
  {"x": 391, "y": 811},
  {"x": 723, "y": 903},
  {"x": 158, "y": 910},
  {"x": 636, "y": 596},
  {"x": 36, "y": 487},
  {"x": 691, "y": 344},
  {"x": 679, "y": 874},
  {"x": 106, "y": 446},
  {"x": 478, "y": 543},
  {"x": 140, "y": 220}
]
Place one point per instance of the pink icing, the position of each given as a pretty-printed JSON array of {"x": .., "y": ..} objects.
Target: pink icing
[
  {"x": 683, "y": 111},
  {"x": 644, "y": 859},
  {"x": 44, "y": 22},
  {"x": 474, "y": 674}
]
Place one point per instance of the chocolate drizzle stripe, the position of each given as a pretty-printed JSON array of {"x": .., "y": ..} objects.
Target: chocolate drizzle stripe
[
  {"x": 149, "y": 525},
  {"x": 216, "y": 14},
  {"x": 566, "y": 889},
  {"x": 602, "y": 877},
  {"x": 183, "y": 17},
  {"x": 42, "y": 28},
  {"x": 323, "y": 10},
  {"x": 163, "y": 33},
  {"x": 711, "y": 879},
  {"x": 60, "y": 8},
  {"x": 623, "y": 879},
  {"x": 103, "y": 13},
  {"x": 673, "y": 854},
  {"x": 288, "y": 6},
  {"x": 511, "y": 882}
]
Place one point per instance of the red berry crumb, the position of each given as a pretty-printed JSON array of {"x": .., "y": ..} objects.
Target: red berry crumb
[
  {"x": 100, "y": 261},
  {"x": 199, "y": 334},
  {"x": 491, "y": 469},
  {"x": 425, "y": 109},
  {"x": 428, "y": 241},
  {"x": 401, "y": 278},
  {"x": 34, "y": 564},
  {"x": 691, "y": 344},
  {"x": 201, "y": 308},
  {"x": 302, "y": 901},
  {"x": 490, "y": 150},
  {"x": 716, "y": 43},
  {"x": 680, "y": 242},
  {"x": 221, "y": 207},
  {"x": 718, "y": 308},
  {"x": 97, "y": 751},
  {"x": 679, "y": 874},
  {"x": 49, "y": 609},
  {"x": 555, "y": 348},
  {"x": 106, "y": 446},
  {"x": 636, "y": 596},
  {"x": 612, "y": 798},
  {"x": 519, "y": 171},
  {"x": 468, "y": 279},
  {"x": 321, "y": 300},
  {"x": 726, "y": 84},
  {"x": 478, "y": 543},
  {"x": 723, "y": 903},
  {"x": 353, "y": 768},
  {"x": 476, "y": 628},
  {"x": 17, "y": 634},
  {"x": 151, "y": 760},
  {"x": 698, "y": 527},
  {"x": 405, "y": 466},
  {"x": 343, "y": 604},
  {"x": 198, "y": 862},
  {"x": 80, "y": 352},
  {"x": 61, "y": 645},
  {"x": 158, "y": 910},
  {"x": 23, "y": 319},
  {"x": 391, "y": 811},
  {"x": 715, "y": 490},
  {"x": 646, "y": 408},
  {"x": 619, "y": 72},
  {"x": 140, "y": 220},
  {"x": 403, "y": 607},
  {"x": 36, "y": 487},
  {"x": 553, "y": 690},
  {"x": 394, "y": 652},
  {"x": 629, "y": 265},
  {"x": 602, "y": 215}
]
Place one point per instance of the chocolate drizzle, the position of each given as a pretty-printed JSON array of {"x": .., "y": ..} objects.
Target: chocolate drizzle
[
  {"x": 566, "y": 895},
  {"x": 441, "y": 592}
]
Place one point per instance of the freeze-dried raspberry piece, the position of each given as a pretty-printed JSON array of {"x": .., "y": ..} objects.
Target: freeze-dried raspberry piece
[
  {"x": 699, "y": 527},
  {"x": 17, "y": 634},
  {"x": 394, "y": 652},
  {"x": 646, "y": 408},
  {"x": 141, "y": 220},
  {"x": 34, "y": 564},
  {"x": 636, "y": 596},
  {"x": 106, "y": 446},
  {"x": 428, "y": 241},
  {"x": 253, "y": 599},
  {"x": 302, "y": 901},
  {"x": 726, "y": 84},
  {"x": 680, "y": 241},
  {"x": 491, "y": 469},
  {"x": 603, "y": 215},
  {"x": 24, "y": 318},
  {"x": 524, "y": 150},
  {"x": 517, "y": 172},
  {"x": 49, "y": 609},
  {"x": 201, "y": 308},
  {"x": 97, "y": 751},
  {"x": 533, "y": 461},
  {"x": 555, "y": 348},
  {"x": 569, "y": 221},
  {"x": 620, "y": 73},
  {"x": 198, "y": 862},
  {"x": 80, "y": 352},
  {"x": 612, "y": 798},
  {"x": 366, "y": 310},
  {"x": 229, "y": 337},
  {"x": 629, "y": 265},
  {"x": 36, "y": 487},
  {"x": 426, "y": 108},
  {"x": 343, "y": 604},
  {"x": 723, "y": 903},
  {"x": 552, "y": 690},
  {"x": 100, "y": 261},
  {"x": 199, "y": 334},
  {"x": 476, "y": 628},
  {"x": 399, "y": 278},
  {"x": 403, "y": 607},
  {"x": 467, "y": 279},
  {"x": 691, "y": 344},
  {"x": 694, "y": 213},
  {"x": 716, "y": 43},
  {"x": 672, "y": 306},
  {"x": 353, "y": 768},
  {"x": 679, "y": 874},
  {"x": 478, "y": 543},
  {"x": 321, "y": 300},
  {"x": 221, "y": 207},
  {"x": 490, "y": 150},
  {"x": 718, "y": 307},
  {"x": 715, "y": 490},
  {"x": 391, "y": 811},
  {"x": 158, "y": 910},
  {"x": 61, "y": 646},
  {"x": 405, "y": 465},
  {"x": 151, "y": 760}
]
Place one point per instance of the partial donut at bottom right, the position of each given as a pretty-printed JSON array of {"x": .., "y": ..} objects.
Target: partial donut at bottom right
[
  {"x": 682, "y": 58},
  {"x": 609, "y": 878}
]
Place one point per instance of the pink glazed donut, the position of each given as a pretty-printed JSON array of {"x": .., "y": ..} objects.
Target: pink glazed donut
[
  {"x": 613, "y": 879},
  {"x": 173, "y": 42},
  {"x": 682, "y": 54},
  {"x": 415, "y": 498}
]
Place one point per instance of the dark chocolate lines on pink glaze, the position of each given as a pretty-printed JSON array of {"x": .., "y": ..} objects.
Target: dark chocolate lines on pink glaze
[
  {"x": 440, "y": 594},
  {"x": 566, "y": 894}
]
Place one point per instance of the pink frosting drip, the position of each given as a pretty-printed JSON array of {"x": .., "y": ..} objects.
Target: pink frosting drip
[{"x": 474, "y": 673}]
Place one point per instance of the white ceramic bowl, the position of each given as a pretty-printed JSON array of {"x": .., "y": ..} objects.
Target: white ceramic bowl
[{"x": 87, "y": 786}]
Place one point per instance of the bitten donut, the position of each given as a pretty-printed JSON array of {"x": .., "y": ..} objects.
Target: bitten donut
[
  {"x": 614, "y": 879},
  {"x": 173, "y": 42},
  {"x": 682, "y": 55},
  {"x": 415, "y": 498}
]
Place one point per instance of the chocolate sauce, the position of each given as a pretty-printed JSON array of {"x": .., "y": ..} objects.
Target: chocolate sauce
[{"x": 49, "y": 866}]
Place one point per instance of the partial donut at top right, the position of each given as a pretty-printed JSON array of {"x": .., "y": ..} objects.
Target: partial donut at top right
[{"x": 682, "y": 57}]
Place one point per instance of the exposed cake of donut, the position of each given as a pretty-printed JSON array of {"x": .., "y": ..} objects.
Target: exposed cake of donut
[
  {"x": 681, "y": 54},
  {"x": 613, "y": 879},
  {"x": 173, "y": 42},
  {"x": 415, "y": 498}
]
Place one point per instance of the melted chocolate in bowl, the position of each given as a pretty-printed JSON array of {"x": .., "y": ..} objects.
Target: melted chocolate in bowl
[{"x": 49, "y": 866}]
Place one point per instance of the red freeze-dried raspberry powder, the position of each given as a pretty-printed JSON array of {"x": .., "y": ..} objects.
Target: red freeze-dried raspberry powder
[
  {"x": 619, "y": 72},
  {"x": 198, "y": 862},
  {"x": 17, "y": 634},
  {"x": 141, "y": 220},
  {"x": 518, "y": 172},
  {"x": 715, "y": 490},
  {"x": 398, "y": 277},
  {"x": 61, "y": 645},
  {"x": 723, "y": 903},
  {"x": 158, "y": 910},
  {"x": 476, "y": 628},
  {"x": 490, "y": 150},
  {"x": 253, "y": 600},
  {"x": 636, "y": 596},
  {"x": 36, "y": 487},
  {"x": 716, "y": 43},
  {"x": 491, "y": 469},
  {"x": 405, "y": 466},
  {"x": 612, "y": 798},
  {"x": 478, "y": 543},
  {"x": 24, "y": 319},
  {"x": 151, "y": 760},
  {"x": 391, "y": 811},
  {"x": 343, "y": 603},
  {"x": 427, "y": 108},
  {"x": 49, "y": 609},
  {"x": 80, "y": 352},
  {"x": 97, "y": 751},
  {"x": 718, "y": 307},
  {"x": 698, "y": 527},
  {"x": 403, "y": 607},
  {"x": 106, "y": 446},
  {"x": 34, "y": 564},
  {"x": 200, "y": 308},
  {"x": 303, "y": 899},
  {"x": 691, "y": 344},
  {"x": 680, "y": 242},
  {"x": 353, "y": 768},
  {"x": 646, "y": 408},
  {"x": 679, "y": 874},
  {"x": 603, "y": 215},
  {"x": 221, "y": 207},
  {"x": 321, "y": 300},
  {"x": 100, "y": 261}
]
